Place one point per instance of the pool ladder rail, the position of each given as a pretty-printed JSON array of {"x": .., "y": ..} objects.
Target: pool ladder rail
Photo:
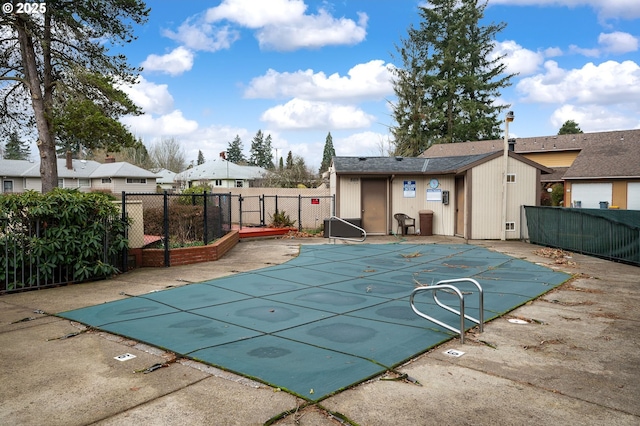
[
  {"x": 447, "y": 285},
  {"x": 363, "y": 233}
]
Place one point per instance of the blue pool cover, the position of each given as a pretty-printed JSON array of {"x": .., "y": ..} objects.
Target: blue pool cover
[{"x": 330, "y": 318}]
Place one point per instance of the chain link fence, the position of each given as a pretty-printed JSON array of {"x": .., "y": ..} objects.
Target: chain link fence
[
  {"x": 174, "y": 220},
  {"x": 303, "y": 212}
]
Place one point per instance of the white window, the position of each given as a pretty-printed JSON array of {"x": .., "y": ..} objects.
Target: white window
[
  {"x": 511, "y": 178},
  {"x": 7, "y": 186},
  {"x": 84, "y": 183},
  {"x": 218, "y": 182},
  {"x": 136, "y": 180},
  {"x": 239, "y": 184},
  {"x": 510, "y": 226},
  {"x": 106, "y": 180},
  {"x": 60, "y": 183}
]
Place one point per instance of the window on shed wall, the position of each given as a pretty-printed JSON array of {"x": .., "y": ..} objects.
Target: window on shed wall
[
  {"x": 218, "y": 182},
  {"x": 510, "y": 226},
  {"x": 239, "y": 184},
  {"x": 511, "y": 178}
]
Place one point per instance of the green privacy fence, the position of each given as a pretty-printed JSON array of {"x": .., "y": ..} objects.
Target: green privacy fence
[{"x": 606, "y": 233}]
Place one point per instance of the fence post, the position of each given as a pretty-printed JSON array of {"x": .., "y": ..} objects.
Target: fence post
[
  {"x": 276, "y": 203},
  {"x": 240, "y": 199},
  {"x": 123, "y": 217},
  {"x": 205, "y": 218},
  {"x": 230, "y": 201},
  {"x": 262, "y": 212},
  {"x": 299, "y": 212},
  {"x": 333, "y": 205},
  {"x": 167, "y": 259}
]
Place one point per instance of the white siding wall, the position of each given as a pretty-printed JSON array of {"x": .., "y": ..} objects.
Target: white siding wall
[
  {"x": 33, "y": 184},
  {"x": 486, "y": 214},
  {"x": 486, "y": 194},
  {"x": 522, "y": 192},
  {"x": 443, "y": 216},
  {"x": 350, "y": 201},
  {"x": 120, "y": 184}
]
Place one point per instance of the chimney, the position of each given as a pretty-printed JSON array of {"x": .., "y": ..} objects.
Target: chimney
[
  {"x": 223, "y": 155},
  {"x": 512, "y": 145},
  {"x": 110, "y": 159},
  {"x": 69, "y": 161}
]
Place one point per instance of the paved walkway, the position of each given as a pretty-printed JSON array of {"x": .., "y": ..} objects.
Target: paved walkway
[{"x": 572, "y": 359}]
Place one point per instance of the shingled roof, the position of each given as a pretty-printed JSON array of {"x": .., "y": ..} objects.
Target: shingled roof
[
  {"x": 601, "y": 155},
  {"x": 416, "y": 165}
]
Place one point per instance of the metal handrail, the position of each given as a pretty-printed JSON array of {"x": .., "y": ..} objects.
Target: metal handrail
[
  {"x": 364, "y": 233},
  {"x": 445, "y": 284}
]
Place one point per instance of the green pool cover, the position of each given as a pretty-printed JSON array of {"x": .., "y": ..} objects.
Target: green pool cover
[{"x": 332, "y": 317}]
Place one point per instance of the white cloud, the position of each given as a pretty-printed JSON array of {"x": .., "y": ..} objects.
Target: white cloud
[
  {"x": 517, "y": 59},
  {"x": 371, "y": 80},
  {"x": 598, "y": 97},
  {"x": 313, "y": 32},
  {"x": 152, "y": 98},
  {"x": 618, "y": 42},
  {"x": 171, "y": 124},
  {"x": 303, "y": 114},
  {"x": 610, "y": 43},
  {"x": 283, "y": 25},
  {"x": 257, "y": 14},
  {"x": 173, "y": 63},
  {"x": 197, "y": 34},
  {"x": 593, "y": 118},
  {"x": 365, "y": 143},
  {"x": 607, "y": 9},
  {"x": 605, "y": 84}
]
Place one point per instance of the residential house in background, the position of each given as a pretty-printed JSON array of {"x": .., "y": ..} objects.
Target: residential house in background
[
  {"x": 219, "y": 173},
  {"x": 85, "y": 175},
  {"x": 166, "y": 180},
  {"x": 597, "y": 169},
  {"x": 462, "y": 195}
]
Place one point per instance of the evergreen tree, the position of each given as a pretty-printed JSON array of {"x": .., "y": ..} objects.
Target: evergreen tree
[
  {"x": 267, "y": 153},
  {"x": 261, "y": 155},
  {"x": 289, "y": 161},
  {"x": 569, "y": 127},
  {"x": 328, "y": 153},
  {"x": 200, "y": 157},
  {"x": 447, "y": 85},
  {"x": 281, "y": 165},
  {"x": 15, "y": 149},
  {"x": 234, "y": 151},
  {"x": 57, "y": 63}
]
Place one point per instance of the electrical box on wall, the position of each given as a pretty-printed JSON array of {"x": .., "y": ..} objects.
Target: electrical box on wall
[{"x": 445, "y": 197}]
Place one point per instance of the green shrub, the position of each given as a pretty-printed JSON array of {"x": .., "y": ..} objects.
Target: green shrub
[
  {"x": 281, "y": 220},
  {"x": 61, "y": 232},
  {"x": 191, "y": 196},
  {"x": 557, "y": 194}
]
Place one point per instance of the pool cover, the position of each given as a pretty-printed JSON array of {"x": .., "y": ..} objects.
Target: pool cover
[{"x": 330, "y": 318}]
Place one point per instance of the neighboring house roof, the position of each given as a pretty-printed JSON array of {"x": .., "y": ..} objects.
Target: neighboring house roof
[
  {"x": 416, "y": 165},
  {"x": 602, "y": 154},
  {"x": 220, "y": 169},
  {"x": 12, "y": 168},
  {"x": 165, "y": 176},
  {"x": 85, "y": 169},
  {"x": 620, "y": 160}
]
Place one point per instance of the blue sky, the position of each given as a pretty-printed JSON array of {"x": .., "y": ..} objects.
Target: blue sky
[{"x": 298, "y": 69}]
